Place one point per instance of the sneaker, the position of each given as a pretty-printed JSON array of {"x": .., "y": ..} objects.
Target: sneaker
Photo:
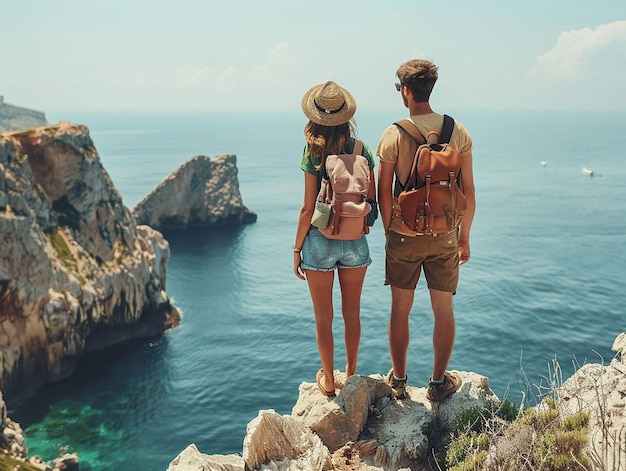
[
  {"x": 398, "y": 386},
  {"x": 438, "y": 392}
]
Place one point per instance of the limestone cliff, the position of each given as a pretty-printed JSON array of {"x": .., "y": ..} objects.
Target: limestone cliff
[
  {"x": 76, "y": 271},
  {"x": 13, "y": 117},
  {"x": 201, "y": 192}
]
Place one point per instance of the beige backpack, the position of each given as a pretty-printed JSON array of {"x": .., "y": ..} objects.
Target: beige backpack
[{"x": 343, "y": 192}]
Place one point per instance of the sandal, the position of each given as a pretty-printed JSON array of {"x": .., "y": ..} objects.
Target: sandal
[
  {"x": 318, "y": 378},
  {"x": 438, "y": 392}
]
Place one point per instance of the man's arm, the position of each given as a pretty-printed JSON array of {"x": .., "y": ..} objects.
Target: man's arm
[
  {"x": 385, "y": 193},
  {"x": 467, "y": 176}
]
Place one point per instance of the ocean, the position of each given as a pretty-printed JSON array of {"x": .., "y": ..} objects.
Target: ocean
[{"x": 544, "y": 287}]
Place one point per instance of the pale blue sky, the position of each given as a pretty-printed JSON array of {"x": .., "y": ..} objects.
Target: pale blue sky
[{"x": 208, "y": 55}]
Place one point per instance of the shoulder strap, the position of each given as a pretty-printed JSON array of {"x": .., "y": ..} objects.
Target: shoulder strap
[
  {"x": 446, "y": 135},
  {"x": 409, "y": 127},
  {"x": 446, "y": 131},
  {"x": 323, "y": 173},
  {"x": 358, "y": 147}
]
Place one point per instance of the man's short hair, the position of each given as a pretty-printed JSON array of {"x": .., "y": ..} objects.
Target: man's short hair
[{"x": 419, "y": 76}]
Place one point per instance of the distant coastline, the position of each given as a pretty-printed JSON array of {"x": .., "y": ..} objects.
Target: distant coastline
[{"x": 15, "y": 118}]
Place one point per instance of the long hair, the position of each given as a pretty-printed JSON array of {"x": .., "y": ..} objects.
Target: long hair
[{"x": 325, "y": 140}]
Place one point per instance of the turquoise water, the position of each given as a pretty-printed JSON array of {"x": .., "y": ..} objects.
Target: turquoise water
[{"x": 545, "y": 281}]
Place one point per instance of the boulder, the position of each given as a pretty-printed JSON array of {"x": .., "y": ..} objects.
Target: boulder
[
  {"x": 202, "y": 192},
  {"x": 190, "y": 459},
  {"x": 275, "y": 438}
]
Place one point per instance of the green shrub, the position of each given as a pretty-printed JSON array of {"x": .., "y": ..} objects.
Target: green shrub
[
  {"x": 467, "y": 451},
  {"x": 548, "y": 441},
  {"x": 61, "y": 248},
  {"x": 476, "y": 418},
  {"x": 64, "y": 254},
  {"x": 9, "y": 463},
  {"x": 562, "y": 450}
]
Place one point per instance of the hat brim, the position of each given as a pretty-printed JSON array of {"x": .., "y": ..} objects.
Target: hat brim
[{"x": 328, "y": 119}]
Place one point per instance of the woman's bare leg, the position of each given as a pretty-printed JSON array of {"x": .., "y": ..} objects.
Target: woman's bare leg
[
  {"x": 321, "y": 289},
  {"x": 351, "y": 283}
]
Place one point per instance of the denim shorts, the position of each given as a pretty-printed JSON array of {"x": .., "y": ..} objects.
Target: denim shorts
[{"x": 322, "y": 254}]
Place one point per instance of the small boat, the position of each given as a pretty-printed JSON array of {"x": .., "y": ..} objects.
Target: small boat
[
  {"x": 587, "y": 171},
  {"x": 543, "y": 163}
]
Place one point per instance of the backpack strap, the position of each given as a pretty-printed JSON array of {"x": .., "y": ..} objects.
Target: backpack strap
[
  {"x": 446, "y": 135},
  {"x": 409, "y": 127},
  {"x": 446, "y": 131}
]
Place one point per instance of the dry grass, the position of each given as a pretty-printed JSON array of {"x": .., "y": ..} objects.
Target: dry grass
[{"x": 547, "y": 436}]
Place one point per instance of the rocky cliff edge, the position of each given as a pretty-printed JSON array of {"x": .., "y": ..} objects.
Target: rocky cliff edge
[
  {"x": 76, "y": 271},
  {"x": 364, "y": 429}
]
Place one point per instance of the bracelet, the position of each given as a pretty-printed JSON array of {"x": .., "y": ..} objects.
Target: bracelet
[{"x": 296, "y": 249}]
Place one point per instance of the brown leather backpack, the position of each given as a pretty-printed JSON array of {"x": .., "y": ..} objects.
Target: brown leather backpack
[{"x": 431, "y": 200}]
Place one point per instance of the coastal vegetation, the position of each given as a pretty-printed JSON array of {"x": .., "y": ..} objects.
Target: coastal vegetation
[
  {"x": 546, "y": 437},
  {"x": 64, "y": 253},
  {"x": 6, "y": 462}
]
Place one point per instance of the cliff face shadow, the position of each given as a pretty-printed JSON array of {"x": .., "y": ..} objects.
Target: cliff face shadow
[
  {"x": 203, "y": 240},
  {"x": 98, "y": 379}
]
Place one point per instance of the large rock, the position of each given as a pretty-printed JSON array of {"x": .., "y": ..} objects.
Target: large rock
[
  {"x": 362, "y": 428},
  {"x": 275, "y": 438},
  {"x": 340, "y": 420},
  {"x": 76, "y": 272},
  {"x": 201, "y": 192},
  {"x": 190, "y": 459}
]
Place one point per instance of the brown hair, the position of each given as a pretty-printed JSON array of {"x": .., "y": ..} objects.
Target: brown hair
[
  {"x": 325, "y": 140},
  {"x": 419, "y": 76}
]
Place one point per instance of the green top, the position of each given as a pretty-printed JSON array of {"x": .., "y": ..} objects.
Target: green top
[{"x": 308, "y": 163}]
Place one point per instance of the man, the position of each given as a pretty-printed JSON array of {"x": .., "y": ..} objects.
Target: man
[{"x": 407, "y": 253}]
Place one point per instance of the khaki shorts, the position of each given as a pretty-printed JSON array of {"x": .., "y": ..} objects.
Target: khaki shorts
[{"x": 405, "y": 256}]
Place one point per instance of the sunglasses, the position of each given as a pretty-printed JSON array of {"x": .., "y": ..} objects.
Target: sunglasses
[{"x": 399, "y": 86}]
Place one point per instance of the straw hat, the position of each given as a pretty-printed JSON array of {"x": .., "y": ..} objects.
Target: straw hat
[{"x": 328, "y": 104}]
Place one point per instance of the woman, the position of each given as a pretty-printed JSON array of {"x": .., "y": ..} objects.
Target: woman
[{"x": 330, "y": 108}]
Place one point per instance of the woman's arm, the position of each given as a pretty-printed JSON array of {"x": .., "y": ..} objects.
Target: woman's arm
[
  {"x": 385, "y": 194},
  {"x": 304, "y": 220}
]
